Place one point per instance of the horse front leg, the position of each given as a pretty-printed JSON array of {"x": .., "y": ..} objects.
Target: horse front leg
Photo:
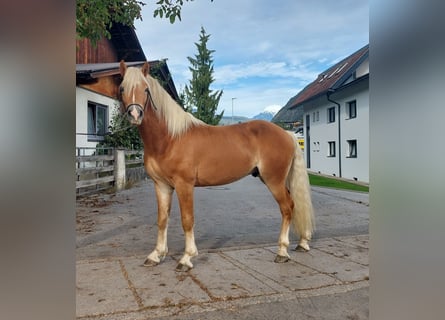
[
  {"x": 185, "y": 197},
  {"x": 164, "y": 197}
]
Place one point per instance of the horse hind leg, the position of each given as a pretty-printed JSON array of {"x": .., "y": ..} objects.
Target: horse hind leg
[
  {"x": 303, "y": 245},
  {"x": 285, "y": 203},
  {"x": 283, "y": 243},
  {"x": 281, "y": 195}
]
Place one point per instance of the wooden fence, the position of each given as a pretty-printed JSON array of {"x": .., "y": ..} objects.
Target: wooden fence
[{"x": 98, "y": 169}]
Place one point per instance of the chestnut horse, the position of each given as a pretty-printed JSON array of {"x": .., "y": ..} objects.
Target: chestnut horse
[{"x": 182, "y": 152}]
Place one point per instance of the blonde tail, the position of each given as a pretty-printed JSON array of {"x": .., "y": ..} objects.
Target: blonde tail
[{"x": 300, "y": 191}]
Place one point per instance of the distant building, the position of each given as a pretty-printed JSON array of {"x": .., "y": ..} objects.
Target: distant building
[{"x": 335, "y": 113}]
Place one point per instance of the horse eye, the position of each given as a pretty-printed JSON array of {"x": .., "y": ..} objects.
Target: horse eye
[
  {"x": 146, "y": 90},
  {"x": 121, "y": 89}
]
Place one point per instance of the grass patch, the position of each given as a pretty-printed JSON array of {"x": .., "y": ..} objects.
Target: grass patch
[{"x": 322, "y": 181}]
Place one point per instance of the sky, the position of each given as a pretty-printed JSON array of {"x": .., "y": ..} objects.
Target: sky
[{"x": 266, "y": 51}]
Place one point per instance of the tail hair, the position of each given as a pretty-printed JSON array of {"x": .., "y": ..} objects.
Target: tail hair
[{"x": 298, "y": 185}]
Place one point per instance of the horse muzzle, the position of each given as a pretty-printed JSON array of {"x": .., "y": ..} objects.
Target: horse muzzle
[{"x": 135, "y": 114}]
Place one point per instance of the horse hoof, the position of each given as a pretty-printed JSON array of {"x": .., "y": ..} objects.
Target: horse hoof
[
  {"x": 150, "y": 263},
  {"x": 281, "y": 259},
  {"x": 182, "y": 268},
  {"x": 300, "y": 249}
]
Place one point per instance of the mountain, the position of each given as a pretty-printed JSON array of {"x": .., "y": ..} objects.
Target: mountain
[{"x": 265, "y": 115}]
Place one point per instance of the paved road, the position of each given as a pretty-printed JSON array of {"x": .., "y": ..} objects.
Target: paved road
[{"x": 239, "y": 214}]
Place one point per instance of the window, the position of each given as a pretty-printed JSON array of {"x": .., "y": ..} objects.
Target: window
[
  {"x": 331, "y": 115},
  {"x": 331, "y": 150},
  {"x": 316, "y": 147},
  {"x": 97, "y": 121},
  {"x": 315, "y": 116},
  {"x": 352, "y": 148},
  {"x": 351, "y": 109}
]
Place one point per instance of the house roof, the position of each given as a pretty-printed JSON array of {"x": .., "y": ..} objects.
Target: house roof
[
  {"x": 86, "y": 73},
  {"x": 89, "y": 71},
  {"x": 330, "y": 79},
  {"x": 126, "y": 43},
  {"x": 287, "y": 115},
  {"x": 128, "y": 48}
]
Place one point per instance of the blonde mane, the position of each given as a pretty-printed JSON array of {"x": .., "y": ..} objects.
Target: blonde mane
[{"x": 177, "y": 120}]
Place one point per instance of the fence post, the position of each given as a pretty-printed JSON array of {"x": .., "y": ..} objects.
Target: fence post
[{"x": 119, "y": 169}]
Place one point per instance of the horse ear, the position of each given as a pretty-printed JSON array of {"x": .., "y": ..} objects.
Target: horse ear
[
  {"x": 122, "y": 68},
  {"x": 145, "y": 68}
]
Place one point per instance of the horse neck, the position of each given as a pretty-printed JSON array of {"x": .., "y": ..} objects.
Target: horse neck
[{"x": 154, "y": 134}]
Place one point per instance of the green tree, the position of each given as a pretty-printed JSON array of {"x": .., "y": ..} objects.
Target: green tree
[
  {"x": 95, "y": 18},
  {"x": 171, "y": 9},
  {"x": 199, "y": 98},
  {"x": 122, "y": 134}
]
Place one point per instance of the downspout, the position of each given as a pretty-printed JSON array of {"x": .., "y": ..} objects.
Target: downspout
[{"x": 328, "y": 94}]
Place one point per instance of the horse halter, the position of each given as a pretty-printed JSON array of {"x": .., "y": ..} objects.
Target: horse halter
[{"x": 134, "y": 109}]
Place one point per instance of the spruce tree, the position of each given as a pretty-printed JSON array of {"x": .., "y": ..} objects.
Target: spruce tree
[{"x": 200, "y": 100}]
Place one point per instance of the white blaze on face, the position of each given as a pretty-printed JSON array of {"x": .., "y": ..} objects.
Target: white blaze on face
[{"x": 135, "y": 113}]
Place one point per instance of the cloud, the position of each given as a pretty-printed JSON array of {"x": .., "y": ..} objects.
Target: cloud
[
  {"x": 265, "y": 52},
  {"x": 231, "y": 73}
]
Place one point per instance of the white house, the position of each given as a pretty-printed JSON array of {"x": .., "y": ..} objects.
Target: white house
[
  {"x": 335, "y": 113},
  {"x": 93, "y": 112},
  {"x": 96, "y": 100}
]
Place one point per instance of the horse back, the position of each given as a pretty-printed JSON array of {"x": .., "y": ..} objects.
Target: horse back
[{"x": 224, "y": 154}]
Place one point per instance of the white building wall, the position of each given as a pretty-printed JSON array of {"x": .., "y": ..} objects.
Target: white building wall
[
  {"x": 362, "y": 69},
  {"x": 321, "y": 132},
  {"x": 356, "y": 129},
  {"x": 83, "y": 96}
]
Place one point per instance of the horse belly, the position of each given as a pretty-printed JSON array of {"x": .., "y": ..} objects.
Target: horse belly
[{"x": 223, "y": 168}]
